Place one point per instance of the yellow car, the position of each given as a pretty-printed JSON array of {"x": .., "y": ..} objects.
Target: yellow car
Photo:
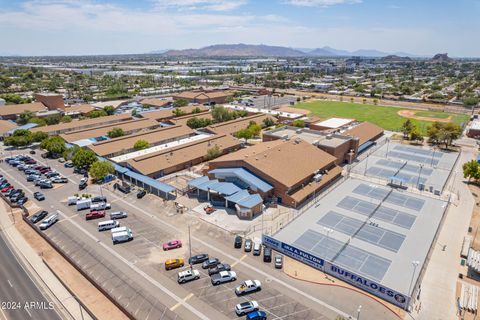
[{"x": 174, "y": 263}]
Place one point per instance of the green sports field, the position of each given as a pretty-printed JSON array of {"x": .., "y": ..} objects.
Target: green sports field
[{"x": 385, "y": 117}]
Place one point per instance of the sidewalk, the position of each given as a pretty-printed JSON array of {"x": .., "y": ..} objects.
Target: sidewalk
[
  {"x": 437, "y": 298},
  {"x": 36, "y": 254}
]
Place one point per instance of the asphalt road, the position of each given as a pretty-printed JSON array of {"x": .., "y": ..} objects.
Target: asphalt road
[{"x": 19, "y": 296}]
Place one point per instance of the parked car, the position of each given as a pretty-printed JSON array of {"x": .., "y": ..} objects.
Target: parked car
[
  {"x": 32, "y": 152},
  {"x": 210, "y": 263},
  {"x": 5, "y": 189},
  {"x": 45, "y": 185},
  {"x": 199, "y": 258},
  {"x": 188, "y": 275},
  {"x": 223, "y": 277},
  {"x": 246, "y": 307},
  {"x": 141, "y": 194},
  {"x": 219, "y": 268},
  {"x": 51, "y": 174},
  {"x": 61, "y": 160},
  {"x": 248, "y": 286},
  {"x": 22, "y": 201},
  {"x": 98, "y": 199},
  {"x": 237, "y": 243},
  {"x": 39, "y": 196},
  {"x": 257, "y": 248},
  {"x": 248, "y": 245},
  {"x": 174, "y": 263},
  {"x": 68, "y": 164},
  {"x": 122, "y": 188},
  {"x": 30, "y": 161},
  {"x": 17, "y": 196},
  {"x": 95, "y": 215},
  {"x": 267, "y": 254},
  {"x": 174, "y": 244},
  {"x": 48, "y": 222},
  {"x": 82, "y": 186},
  {"x": 278, "y": 261},
  {"x": 38, "y": 216},
  {"x": 58, "y": 179},
  {"x": 118, "y": 215},
  {"x": 257, "y": 315}
]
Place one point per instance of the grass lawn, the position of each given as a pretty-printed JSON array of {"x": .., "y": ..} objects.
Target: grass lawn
[{"x": 385, "y": 117}]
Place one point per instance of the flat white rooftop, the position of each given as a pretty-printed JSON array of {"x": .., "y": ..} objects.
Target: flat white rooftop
[
  {"x": 135, "y": 154},
  {"x": 290, "y": 115},
  {"x": 334, "y": 123}
]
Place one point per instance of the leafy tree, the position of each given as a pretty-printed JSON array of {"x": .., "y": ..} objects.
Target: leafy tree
[
  {"x": 84, "y": 158},
  {"x": 407, "y": 127},
  {"x": 19, "y": 138},
  {"x": 178, "y": 112},
  {"x": 54, "y": 145},
  {"x": 213, "y": 153},
  {"x": 53, "y": 119},
  {"x": 471, "y": 170},
  {"x": 244, "y": 133},
  {"x": 268, "y": 122},
  {"x": 24, "y": 117},
  {"x": 141, "y": 144},
  {"x": 96, "y": 114},
  {"x": 109, "y": 110},
  {"x": 415, "y": 135},
  {"x": 66, "y": 119},
  {"x": 180, "y": 103},
  {"x": 443, "y": 133},
  {"x": 470, "y": 101},
  {"x": 298, "y": 123},
  {"x": 39, "y": 136},
  {"x": 229, "y": 99},
  {"x": 195, "y": 123},
  {"x": 115, "y": 132},
  {"x": 39, "y": 121},
  {"x": 220, "y": 114},
  {"x": 12, "y": 97},
  {"x": 101, "y": 169},
  {"x": 70, "y": 152},
  {"x": 254, "y": 128}
]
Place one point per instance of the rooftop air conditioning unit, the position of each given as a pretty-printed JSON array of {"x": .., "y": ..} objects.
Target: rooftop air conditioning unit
[
  {"x": 285, "y": 136},
  {"x": 317, "y": 177},
  {"x": 298, "y": 140},
  {"x": 329, "y": 136},
  {"x": 298, "y": 131}
]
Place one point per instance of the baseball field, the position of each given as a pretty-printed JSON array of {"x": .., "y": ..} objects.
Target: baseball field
[{"x": 389, "y": 118}]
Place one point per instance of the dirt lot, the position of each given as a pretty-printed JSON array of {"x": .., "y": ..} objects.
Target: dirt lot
[{"x": 411, "y": 114}]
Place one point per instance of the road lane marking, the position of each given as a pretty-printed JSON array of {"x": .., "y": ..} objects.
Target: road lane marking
[
  {"x": 9, "y": 283},
  {"x": 236, "y": 262},
  {"x": 28, "y": 311},
  {"x": 184, "y": 300}
]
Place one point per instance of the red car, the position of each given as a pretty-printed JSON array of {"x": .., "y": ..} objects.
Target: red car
[
  {"x": 174, "y": 244},
  {"x": 30, "y": 161},
  {"x": 95, "y": 215},
  {"x": 6, "y": 188}
]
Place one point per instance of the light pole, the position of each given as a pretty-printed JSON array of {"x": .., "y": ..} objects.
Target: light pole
[
  {"x": 433, "y": 155},
  {"x": 366, "y": 165},
  {"x": 388, "y": 145},
  {"x": 415, "y": 264},
  {"x": 190, "y": 246},
  {"x": 419, "y": 173},
  {"x": 359, "y": 309}
]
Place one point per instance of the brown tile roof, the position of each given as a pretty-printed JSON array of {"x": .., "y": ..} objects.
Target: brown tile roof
[
  {"x": 365, "y": 131},
  {"x": 153, "y": 137},
  {"x": 287, "y": 162},
  {"x": 80, "y": 108},
  {"x": 168, "y": 158},
  {"x": 304, "y": 192},
  {"x": 98, "y": 131},
  {"x": 6, "y": 125},
  {"x": 189, "y": 95},
  {"x": 154, "y": 102},
  {"x": 83, "y": 123},
  {"x": 14, "y": 109},
  {"x": 168, "y": 113},
  {"x": 233, "y": 126}
]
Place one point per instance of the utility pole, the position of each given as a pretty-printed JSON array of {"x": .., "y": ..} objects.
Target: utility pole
[
  {"x": 415, "y": 265},
  {"x": 419, "y": 173},
  {"x": 359, "y": 309},
  {"x": 190, "y": 246}
]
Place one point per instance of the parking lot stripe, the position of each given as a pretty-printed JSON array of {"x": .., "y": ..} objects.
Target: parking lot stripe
[
  {"x": 136, "y": 269},
  {"x": 214, "y": 248},
  {"x": 184, "y": 300},
  {"x": 291, "y": 314},
  {"x": 236, "y": 262}
]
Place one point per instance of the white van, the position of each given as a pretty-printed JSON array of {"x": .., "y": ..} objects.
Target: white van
[
  {"x": 48, "y": 222},
  {"x": 119, "y": 229},
  {"x": 122, "y": 236},
  {"x": 257, "y": 248},
  {"x": 73, "y": 200},
  {"x": 107, "y": 225},
  {"x": 83, "y": 204},
  {"x": 100, "y": 206},
  {"x": 118, "y": 215}
]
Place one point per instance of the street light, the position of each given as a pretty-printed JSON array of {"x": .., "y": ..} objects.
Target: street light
[
  {"x": 433, "y": 155},
  {"x": 359, "y": 309},
  {"x": 419, "y": 173},
  {"x": 190, "y": 247},
  {"x": 415, "y": 264}
]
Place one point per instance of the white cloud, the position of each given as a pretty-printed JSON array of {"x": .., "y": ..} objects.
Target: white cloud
[
  {"x": 211, "y": 5},
  {"x": 320, "y": 3}
]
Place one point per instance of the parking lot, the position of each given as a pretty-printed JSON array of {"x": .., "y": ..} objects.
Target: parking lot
[{"x": 80, "y": 239}]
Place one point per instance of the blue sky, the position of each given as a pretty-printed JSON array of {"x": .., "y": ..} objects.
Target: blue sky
[{"x": 62, "y": 27}]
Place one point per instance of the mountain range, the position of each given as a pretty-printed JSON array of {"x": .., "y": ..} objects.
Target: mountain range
[{"x": 250, "y": 50}]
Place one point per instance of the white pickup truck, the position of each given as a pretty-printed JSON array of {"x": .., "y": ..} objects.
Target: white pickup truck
[{"x": 248, "y": 286}]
